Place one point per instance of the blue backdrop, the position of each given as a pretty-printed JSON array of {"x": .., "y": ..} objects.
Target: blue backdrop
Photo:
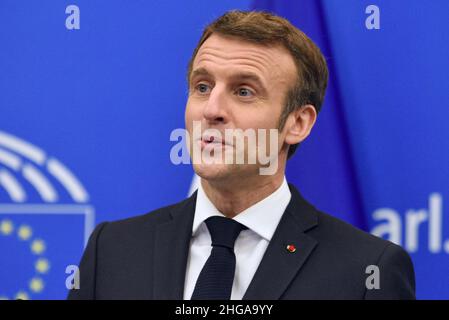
[{"x": 86, "y": 115}]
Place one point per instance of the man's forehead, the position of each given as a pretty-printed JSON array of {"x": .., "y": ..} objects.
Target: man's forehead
[
  {"x": 226, "y": 47},
  {"x": 242, "y": 57}
]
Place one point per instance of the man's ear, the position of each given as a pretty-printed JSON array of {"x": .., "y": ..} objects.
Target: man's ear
[{"x": 299, "y": 124}]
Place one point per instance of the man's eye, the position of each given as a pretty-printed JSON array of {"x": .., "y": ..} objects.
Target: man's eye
[
  {"x": 244, "y": 92},
  {"x": 202, "y": 88}
]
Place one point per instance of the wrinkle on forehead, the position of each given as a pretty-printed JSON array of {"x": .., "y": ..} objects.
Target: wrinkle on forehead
[{"x": 272, "y": 63}]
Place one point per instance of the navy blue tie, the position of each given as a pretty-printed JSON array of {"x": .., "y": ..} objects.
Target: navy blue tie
[{"x": 216, "y": 277}]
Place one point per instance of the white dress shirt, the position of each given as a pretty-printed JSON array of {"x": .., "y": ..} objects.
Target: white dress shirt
[{"x": 261, "y": 219}]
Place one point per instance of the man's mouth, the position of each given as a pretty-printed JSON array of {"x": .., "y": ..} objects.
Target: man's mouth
[{"x": 212, "y": 141}]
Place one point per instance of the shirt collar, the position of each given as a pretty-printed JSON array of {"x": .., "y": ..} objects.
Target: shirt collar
[{"x": 262, "y": 217}]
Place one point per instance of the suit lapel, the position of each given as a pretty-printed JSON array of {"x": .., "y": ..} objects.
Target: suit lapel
[
  {"x": 276, "y": 270},
  {"x": 171, "y": 251},
  {"x": 279, "y": 266}
]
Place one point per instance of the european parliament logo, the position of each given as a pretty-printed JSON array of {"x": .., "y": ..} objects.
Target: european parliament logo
[{"x": 45, "y": 221}]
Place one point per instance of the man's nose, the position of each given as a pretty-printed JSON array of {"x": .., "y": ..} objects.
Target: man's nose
[{"x": 215, "y": 110}]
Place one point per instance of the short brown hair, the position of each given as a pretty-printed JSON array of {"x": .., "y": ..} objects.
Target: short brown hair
[{"x": 267, "y": 29}]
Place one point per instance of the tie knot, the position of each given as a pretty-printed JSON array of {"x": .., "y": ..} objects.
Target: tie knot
[{"x": 224, "y": 231}]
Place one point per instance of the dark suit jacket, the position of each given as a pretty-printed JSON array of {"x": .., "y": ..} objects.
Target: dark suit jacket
[{"x": 145, "y": 258}]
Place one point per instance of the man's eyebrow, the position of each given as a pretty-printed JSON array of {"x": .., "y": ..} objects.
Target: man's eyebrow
[
  {"x": 241, "y": 76},
  {"x": 248, "y": 76},
  {"x": 200, "y": 72}
]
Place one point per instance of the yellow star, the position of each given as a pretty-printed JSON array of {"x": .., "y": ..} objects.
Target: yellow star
[
  {"x": 24, "y": 232},
  {"x": 6, "y": 227},
  {"x": 36, "y": 285},
  {"x": 42, "y": 265},
  {"x": 22, "y": 295},
  {"x": 38, "y": 246}
]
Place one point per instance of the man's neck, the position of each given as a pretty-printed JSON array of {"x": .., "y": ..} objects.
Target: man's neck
[{"x": 233, "y": 199}]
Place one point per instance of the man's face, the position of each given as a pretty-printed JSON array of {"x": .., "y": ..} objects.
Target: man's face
[{"x": 235, "y": 84}]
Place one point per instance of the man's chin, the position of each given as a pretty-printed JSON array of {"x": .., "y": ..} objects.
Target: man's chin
[
  {"x": 213, "y": 171},
  {"x": 226, "y": 173}
]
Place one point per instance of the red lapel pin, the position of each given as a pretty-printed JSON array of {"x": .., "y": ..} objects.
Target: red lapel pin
[{"x": 291, "y": 248}]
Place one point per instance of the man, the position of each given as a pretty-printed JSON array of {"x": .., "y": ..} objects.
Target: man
[{"x": 243, "y": 234}]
